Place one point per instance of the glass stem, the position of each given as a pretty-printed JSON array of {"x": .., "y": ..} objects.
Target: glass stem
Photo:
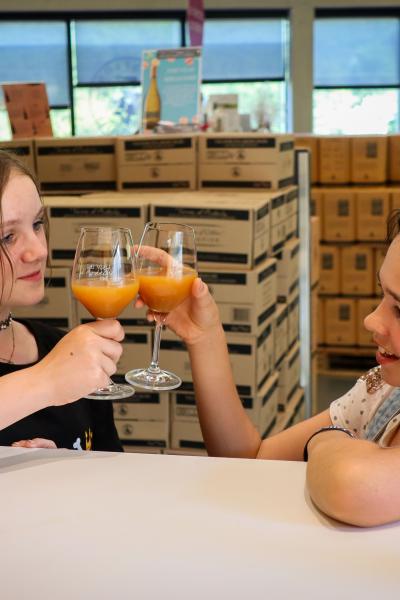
[{"x": 154, "y": 368}]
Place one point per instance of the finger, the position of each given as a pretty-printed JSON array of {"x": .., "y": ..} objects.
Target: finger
[
  {"x": 20, "y": 444},
  {"x": 111, "y": 350},
  {"x": 108, "y": 328},
  {"x": 41, "y": 443}
]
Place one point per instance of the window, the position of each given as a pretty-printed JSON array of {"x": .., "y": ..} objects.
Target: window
[
  {"x": 356, "y": 73},
  {"x": 91, "y": 65}
]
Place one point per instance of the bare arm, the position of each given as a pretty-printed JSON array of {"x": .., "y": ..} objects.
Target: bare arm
[
  {"x": 82, "y": 361},
  {"x": 354, "y": 481},
  {"x": 227, "y": 430}
]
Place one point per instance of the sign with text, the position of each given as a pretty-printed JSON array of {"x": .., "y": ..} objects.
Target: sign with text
[
  {"x": 171, "y": 87},
  {"x": 28, "y": 109}
]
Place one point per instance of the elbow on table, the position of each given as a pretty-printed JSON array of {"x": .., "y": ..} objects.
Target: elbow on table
[{"x": 347, "y": 494}]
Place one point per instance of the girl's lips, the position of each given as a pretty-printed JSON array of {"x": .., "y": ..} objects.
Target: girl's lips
[
  {"x": 36, "y": 276},
  {"x": 382, "y": 359}
]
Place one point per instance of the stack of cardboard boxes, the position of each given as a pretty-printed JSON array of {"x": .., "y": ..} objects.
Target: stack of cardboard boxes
[
  {"x": 354, "y": 190},
  {"x": 238, "y": 192}
]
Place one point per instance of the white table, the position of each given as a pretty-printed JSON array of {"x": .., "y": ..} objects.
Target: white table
[{"x": 119, "y": 526}]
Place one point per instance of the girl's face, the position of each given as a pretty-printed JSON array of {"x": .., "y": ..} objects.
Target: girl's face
[
  {"x": 23, "y": 236},
  {"x": 384, "y": 322}
]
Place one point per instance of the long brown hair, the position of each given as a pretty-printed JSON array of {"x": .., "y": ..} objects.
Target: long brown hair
[{"x": 10, "y": 164}]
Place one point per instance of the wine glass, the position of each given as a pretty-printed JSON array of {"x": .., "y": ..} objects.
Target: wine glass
[
  {"x": 104, "y": 281},
  {"x": 166, "y": 260}
]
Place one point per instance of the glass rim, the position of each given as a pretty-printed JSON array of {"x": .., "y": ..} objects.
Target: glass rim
[
  {"x": 156, "y": 225},
  {"x": 105, "y": 228}
]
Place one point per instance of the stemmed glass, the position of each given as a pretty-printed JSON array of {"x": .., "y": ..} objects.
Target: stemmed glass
[
  {"x": 166, "y": 261},
  {"x": 104, "y": 281}
]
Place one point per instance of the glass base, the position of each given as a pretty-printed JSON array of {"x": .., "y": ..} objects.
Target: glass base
[
  {"x": 114, "y": 391},
  {"x": 153, "y": 380}
]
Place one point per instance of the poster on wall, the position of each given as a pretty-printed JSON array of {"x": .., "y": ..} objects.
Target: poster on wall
[
  {"x": 171, "y": 87},
  {"x": 28, "y": 109}
]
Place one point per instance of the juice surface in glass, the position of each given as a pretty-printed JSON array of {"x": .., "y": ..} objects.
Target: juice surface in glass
[
  {"x": 162, "y": 292},
  {"x": 105, "y": 299}
]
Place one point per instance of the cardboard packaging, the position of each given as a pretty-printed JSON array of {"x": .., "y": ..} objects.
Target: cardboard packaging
[
  {"x": 321, "y": 322},
  {"x": 137, "y": 348},
  {"x": 293, "y": 317},
  {"x": 364, "y": 307},
  {"x": 24, "y": 150},
  {"x": 67, "y": 214},
  {"x": 357, "y": 275},
  {"x": 316, "y": 319},
  {"x": 311, "y": 142},
  {"x": 251, "y": 359},
  {"x": 143, "y": 434},
  {"x": 289, "y": 376},
  {"x": 246, "y": 299},
  {"x": 339, "y": 220},
  {"x": 57, "y": 306},
  {"x": 394, "y": 198},
  {"x": 76, "y": 164},
  {"x": 340, "y": 321},
  {"x": 315, "y": 249},
  {"x": 369, "y": 159},
  {"x": 288, "y": 269},
  {"x": 334, "y": 159},
  {"x": 372, "y": 210},
  {"x": 379, "y": 256},
  {"x": 246, "y": 160},
  {"x": 143, "y": 406},
  {"x": 231, "y": 230},
  {"x": 269, "y": 395},
  {"x": 281, "y": 333},
  {"x": 394, "y": 157},
  {"x": 329, "y": 274},
  {"x": 186, "y": 435},
  {"x": 316, "y": 209},
  {"x": 149, "y": 162}
]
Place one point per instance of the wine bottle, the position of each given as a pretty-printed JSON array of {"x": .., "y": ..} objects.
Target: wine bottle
[{"x": 152, "y": 104}]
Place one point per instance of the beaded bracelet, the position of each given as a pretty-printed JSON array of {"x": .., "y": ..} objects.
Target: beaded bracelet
[{"x": 329, "y": 428}]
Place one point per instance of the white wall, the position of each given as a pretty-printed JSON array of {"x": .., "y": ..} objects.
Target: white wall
[{"x": 302, "y": 11}]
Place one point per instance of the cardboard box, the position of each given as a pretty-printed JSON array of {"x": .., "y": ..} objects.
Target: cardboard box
[
  {"x": 316, "y": 209},
  {"x": 339, "y": 220},
  {"x": 251, "y": 359},
  {"x": 246, "y": 299},
  {"x": 57, "y": 307},
  {"x": 246, "y": 160},
  {"x": 310, "y": 142},
  {"x": 394, "y": 198},
  {"x": 78, "y": 164},
  {"x": 357, "y": 270},
  {"x": 67, "y": 214},
  {"x": 186, "y": 435},
  {"x": 315, "y": 249},
  {"x": 289, "y": 376},
  {"x": 143, "y": 406},
  {"x": 281, "y": 333},
  {"x": 316, "y": 318},
  {"x": 24, "y": 150},
  {"x": 231, "y": 230},
  {"x": 288, "y": 269},
  {"x": 394, "y": 157},
  {"x": 334, "y": 159},
  {"x": 157, "y": 162},
  {"x": 321, "y": 321},
  {"x": 372, "y": 210},
  {"x": 137, "y": 349},
  {"x": 369, "y": 159},
  {"x": 293, "y": 317},
  {"x": 364, "y": 307},
  {"x": 340, "y": 321},
  {"x": 269, "y": 395},
  {"x": 379, "y": 256},
  {"x": 329, "y": 274},
  {"x": 143, "y": 434}
]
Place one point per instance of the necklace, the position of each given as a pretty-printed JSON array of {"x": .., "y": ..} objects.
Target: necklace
[
  {"x": 9, "y": 359},
  {"x": 6, "y": 323}
]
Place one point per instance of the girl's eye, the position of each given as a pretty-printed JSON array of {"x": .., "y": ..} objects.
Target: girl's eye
[
  {"x": 38, "y": 224},
  {"x": 7, "y": 239}
]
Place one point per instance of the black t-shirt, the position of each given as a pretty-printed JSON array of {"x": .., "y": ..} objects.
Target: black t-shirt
[{"x": 84, "y": 424}]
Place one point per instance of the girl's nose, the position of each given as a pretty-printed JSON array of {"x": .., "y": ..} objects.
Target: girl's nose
[
  {"x": 35, "y": 249},
  {"x": 375, "y": 323}
]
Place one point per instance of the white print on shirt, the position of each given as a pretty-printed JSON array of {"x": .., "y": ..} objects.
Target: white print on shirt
[{"x": 77, "y": 444}]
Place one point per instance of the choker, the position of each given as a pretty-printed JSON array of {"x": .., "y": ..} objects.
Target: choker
[{"x": 6, "y": 323}]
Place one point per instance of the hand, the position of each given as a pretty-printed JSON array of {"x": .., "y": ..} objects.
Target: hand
[
  {"x": 195, "y": 318},
  {"x": 35, "y": 443},
  {"x": 81, "y": 362}
]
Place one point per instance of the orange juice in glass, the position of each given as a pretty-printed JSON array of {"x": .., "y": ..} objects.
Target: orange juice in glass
[
  {"x": 104, "y": 281},
  {"x": 166, "y": 271}
]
